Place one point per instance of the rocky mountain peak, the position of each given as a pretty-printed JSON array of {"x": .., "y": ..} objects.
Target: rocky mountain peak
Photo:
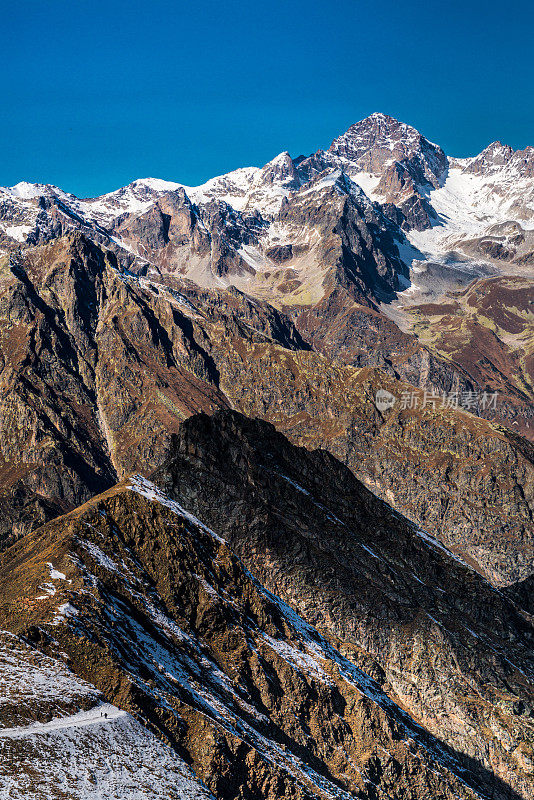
[
  {"x": 378, "y": 141},
  {"x": 498, "y": 150},
  {"x": 29, "y": 191},
  {"x": 280, "y": 170},
  {"x": 380, "y": 127},
  {"x": 493, "y": 156},
  {"x": 498, "y": 156}
]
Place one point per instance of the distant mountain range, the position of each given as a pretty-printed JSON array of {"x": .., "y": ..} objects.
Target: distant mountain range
[
  {"x": 382, "y": 220},
  {"x": 267, "y": 480}
]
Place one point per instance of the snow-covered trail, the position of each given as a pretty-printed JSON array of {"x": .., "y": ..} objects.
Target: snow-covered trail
[{"x": 103, "y": 713}]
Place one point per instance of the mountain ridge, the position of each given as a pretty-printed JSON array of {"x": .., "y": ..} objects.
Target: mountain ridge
[
  {"x": 153, "y": 607},
  {"x": 27, "y": 190}
]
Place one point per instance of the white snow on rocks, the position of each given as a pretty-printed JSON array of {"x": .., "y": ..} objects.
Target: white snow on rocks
[
  {"x": 368, "y": 182},
  {"x": 65, "y": 611},
  {"x": 55, "y": 574},
  {"x": 468, "y": 204},
  {"x": 48, "y": 587},
  {"x": 89, "y": 757},
  {"x": 18, "y": 232},
  {"x": 101, "y": 558},
  {"x": 28, "y": 676},
  {"x": 26, "y": 191},
  {"x": 99, "y": 754}
]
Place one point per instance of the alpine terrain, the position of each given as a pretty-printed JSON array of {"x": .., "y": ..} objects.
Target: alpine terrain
[{"x": 267, "y": 480}]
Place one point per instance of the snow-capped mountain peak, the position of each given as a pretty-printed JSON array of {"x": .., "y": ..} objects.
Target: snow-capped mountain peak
[
  {"x": 24, "y": 190},
  {"x": 380, "y": 141},
  {"x": 280, "y": 170},
  {"x": 501, "y": 158},
  {"x": 157, "y": 184}
]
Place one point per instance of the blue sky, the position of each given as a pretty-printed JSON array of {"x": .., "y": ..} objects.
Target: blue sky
[{"x": 95, "y": 94}]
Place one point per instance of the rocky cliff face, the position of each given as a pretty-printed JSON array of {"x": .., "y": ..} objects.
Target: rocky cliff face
[
  {"x": 406, "y": 163},
  {"x": 152, "y": 607}
]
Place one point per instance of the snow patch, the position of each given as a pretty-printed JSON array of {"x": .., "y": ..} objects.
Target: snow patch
[
  {"x": 55, "y": 574},
  {"x": 18, "y": 232},
  {"x": 65, "y": 611}
]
